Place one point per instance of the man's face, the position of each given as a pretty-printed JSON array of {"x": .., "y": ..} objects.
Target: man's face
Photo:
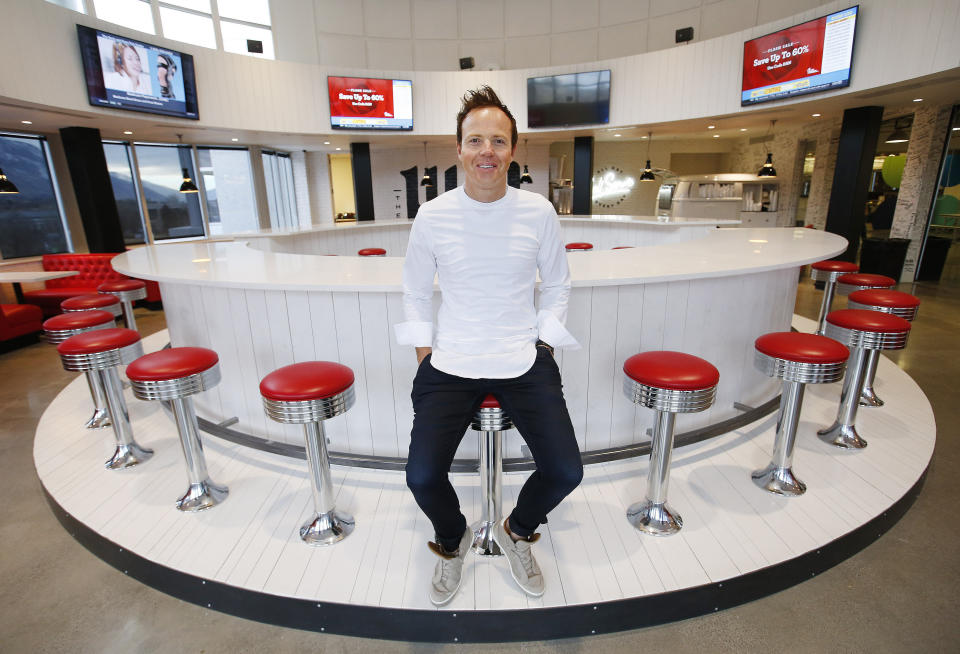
[{"x": 485, "y": 153}]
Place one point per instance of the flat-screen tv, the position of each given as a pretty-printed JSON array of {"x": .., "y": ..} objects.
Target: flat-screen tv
[
  {"x": 123, "y": 73},
  {"x": 572, "y": 99},
  {"x": 806, "y": 58},
  {"x": 365, "y": 103}
]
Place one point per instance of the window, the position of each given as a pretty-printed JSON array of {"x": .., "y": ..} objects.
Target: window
[
  {"x": 172, "y": 214},
  {"x": 188, "y": 27},
  {"x": 125, "y": 192},
  {"x": 31, "y": 221},
  {"x": 278, "y": 175},
  {"x": 228, "y": 187},
  {"x": 235, "y": 36},
  {"x": 136, "y": 14},
  {"x": 76, "y": 5}
]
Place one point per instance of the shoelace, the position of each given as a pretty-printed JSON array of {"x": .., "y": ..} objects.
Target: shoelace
[
  {"x": 446, "y": 568},
  {"x": 526, "y": 558}
]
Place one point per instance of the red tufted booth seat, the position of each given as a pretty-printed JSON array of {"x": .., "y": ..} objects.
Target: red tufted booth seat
[
  {"x": 94, "y": 268},
  {"x": 19, "y": 319}
]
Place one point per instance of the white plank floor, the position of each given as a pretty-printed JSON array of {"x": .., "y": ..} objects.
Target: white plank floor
[{"x": 589, "y": 553}]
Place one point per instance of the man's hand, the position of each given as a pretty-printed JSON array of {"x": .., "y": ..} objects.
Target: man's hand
[{"x": 423, "y": 352}]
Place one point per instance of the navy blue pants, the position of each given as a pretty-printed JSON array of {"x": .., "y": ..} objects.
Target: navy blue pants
[{"x": 443, "y": 406}]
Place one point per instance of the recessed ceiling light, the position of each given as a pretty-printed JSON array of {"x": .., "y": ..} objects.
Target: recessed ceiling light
[
  {"x": 815, "y": 115},
  {"x": 27, "y": 122},
  {"x": 918, "y": 99},
  {"x": 338, "y": 149},
  {"x": 617, "y": 135},
  {"x": 234, "y": 140},
  {"x": 743, "y": 129},
  {"x": 326, "y": 142},
  {"x": 711, "y": 127},
  {"x": 643, "y": 137},
  {"x": 716, "y": 136},
  {"x": 956, "y": 129},
  {"x": 127, "y": 132}
]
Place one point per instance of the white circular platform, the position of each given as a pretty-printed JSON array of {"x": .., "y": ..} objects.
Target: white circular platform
[{"x": 245, "y": 556}]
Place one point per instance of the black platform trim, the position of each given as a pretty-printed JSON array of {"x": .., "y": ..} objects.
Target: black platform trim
[
  {"x": 486, "y": 626},
  {"x": 473, "y": 465}
]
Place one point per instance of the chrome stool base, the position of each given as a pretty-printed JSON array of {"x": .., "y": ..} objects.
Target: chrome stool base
[
  {"x": 844, "y": 436},
  {"x": 779, "y": 480},
  {"x": 202, "y": 495},
  {"x": 128, "y": 455},
  {"x": 327, "y": 528},
  {"x": 656, "y": 519},
  {"x": 868, "y": 397},
  {"x": 485, "y": 539},
  {"x": 99, "y": 419}
]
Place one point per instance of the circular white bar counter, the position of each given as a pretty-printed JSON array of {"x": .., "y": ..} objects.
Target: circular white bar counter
[{"x": 683, "y": 286}]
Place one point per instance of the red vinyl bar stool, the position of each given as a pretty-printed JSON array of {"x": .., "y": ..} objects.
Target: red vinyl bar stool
[
  {"x": 847, "y": 284},
  {"x": 669, "y": 383},
  {"x": 173, "y": 375},
  {"x": 307, "y": 394},
  {"x": 61, "y": 327},
  {"x": 798, "y": 359},
  {"x": 491, "y": 421},
  {"x": 579, "y": 247},
  {"x": 102, "y": 350},
  {"x": 89, "y": 302},
  {"x": 861, "y": 331},
  {"x": 127, "y": 291},
  {"x": 372, "y": 252},
  {"x": 623, "y": 247},
  {"x": 878, "y": 299},
  {"x": 828, "y": 272}
]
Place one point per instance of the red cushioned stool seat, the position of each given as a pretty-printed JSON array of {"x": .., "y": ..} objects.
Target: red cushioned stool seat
[
  {"x": 78, "y": 320},
  {"x": 832, "y": 265},
  {"x": 87, "y": 302},
  {"x": 623, "y": 247},
  {"x": 829, "y": 272},
  {"x": 122, "y": 285},
  {"x": 309, "y": 393},
  {"x": 173, "y": 363},
  {"x": 578, "y": 247},
  {"x": 898, "y": 303},
  {"x": 671, "y": 370},
  {"x": 98, "y": 341},
  {"x": 310, "y": 380},
  {"x": 372, "y": 252},
  {"x": 868, "y": 321},
  {"x": 849, "y": 283},
  {"x": 490, "y": 402},
  {"x": 802, "y": 348}
]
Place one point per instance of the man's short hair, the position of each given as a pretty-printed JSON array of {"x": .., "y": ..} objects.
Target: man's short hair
[{"x": 479, "y": 98}]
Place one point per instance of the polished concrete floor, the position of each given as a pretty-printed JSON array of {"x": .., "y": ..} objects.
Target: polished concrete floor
[{"x": 896, "y": 595}]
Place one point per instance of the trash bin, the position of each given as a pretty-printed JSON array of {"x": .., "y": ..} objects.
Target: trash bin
[
  {"x": 934, "y": 256},
  {"x": 883, "y": 256}
]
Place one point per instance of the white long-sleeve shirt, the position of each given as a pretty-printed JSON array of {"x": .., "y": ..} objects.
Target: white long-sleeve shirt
[{"x": 486, "y": 256}]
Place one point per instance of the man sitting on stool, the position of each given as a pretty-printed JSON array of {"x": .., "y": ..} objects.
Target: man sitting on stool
[{"x": 486, "y": 241}]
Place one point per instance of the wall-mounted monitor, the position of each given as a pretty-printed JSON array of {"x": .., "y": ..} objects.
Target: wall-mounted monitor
[
  {"x": 123, "y": 73},
  {"x": 572, "y": 99},
  {"x": 365, "y": 103},
  {"x": 806, "y": 58}
]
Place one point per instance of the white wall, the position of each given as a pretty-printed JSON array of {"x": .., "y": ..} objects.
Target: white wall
[{"x": 698, "y": 80}]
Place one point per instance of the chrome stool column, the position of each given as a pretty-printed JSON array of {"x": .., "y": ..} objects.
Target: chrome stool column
[
  {"x": 491, "y": 421},
  {"x": 127, "y": 291},
  {"x": 828, "y": 272},
  {"x": 102, "y": 350},
  {"x": 669, "y": 383},
  {"x": 861, "y": 331},
  {"x": 307, "y": 394},
  {"x": 878, "y": 299},
  {"x": 579, "y": 247},
  {"x": 798, "y": 359},
  {"x": 89, "y": 302},
  {"x": 174, "y": 375},
  {"x": 61, "y": 327}
]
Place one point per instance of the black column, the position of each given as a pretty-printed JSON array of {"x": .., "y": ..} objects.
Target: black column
[
  {"x": 91, "y": 184},
  {"x": 851, "y": 177},
  {"x": 362, "y": 180},
  {"x": 582, "y": 175}
]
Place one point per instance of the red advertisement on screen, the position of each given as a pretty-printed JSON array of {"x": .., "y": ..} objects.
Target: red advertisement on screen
[
  {"x": 358, "y": 97},
  {"x": 790, "y": 54}
]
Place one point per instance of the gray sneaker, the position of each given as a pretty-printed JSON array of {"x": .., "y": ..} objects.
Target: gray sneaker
[
  {"x": 447, "y": 574},
  {"x": 523, "y": 566}
]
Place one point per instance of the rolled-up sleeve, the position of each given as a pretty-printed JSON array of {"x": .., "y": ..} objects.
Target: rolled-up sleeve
[
  {"x": 554, "y": 287},
  {"x": 419, "y": 271}
]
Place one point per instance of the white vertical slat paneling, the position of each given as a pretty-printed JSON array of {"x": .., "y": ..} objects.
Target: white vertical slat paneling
[
  {"x": 376, "y": 335},
  {"x": 262, "y": 344},
  {"x": 281, "y": 341},
  {"x": 301, "y": 327},
  {"x": 252, "y": 416},
  {"x": 346, "y": 308},
  {"x": 575, "y": 364},
  {"x": 219, "y": 322},
  {"x": 403, "y": 367},
  {"x": 630, "y": 318},
  {"x": 601, "y": 392}
]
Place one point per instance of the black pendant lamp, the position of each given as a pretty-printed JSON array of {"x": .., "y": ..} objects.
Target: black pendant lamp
[
  {"x": 647, "y": 175},
  {"x": 767, "y": 169},
  {"x": 187, "y": 186},
  {"x": 426, "y": 181},
  {"x": 6, "y": 186},
  {"x": 525, "y": 178}
]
